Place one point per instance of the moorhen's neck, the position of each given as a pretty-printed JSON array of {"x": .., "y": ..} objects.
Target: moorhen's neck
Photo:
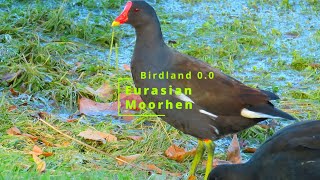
[{"x": 149, "y": 35}]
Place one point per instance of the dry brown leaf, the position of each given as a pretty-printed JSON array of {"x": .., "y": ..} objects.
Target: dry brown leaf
[
  {"x": 104, "y": 92},
  {"x": 63, "y": 144},
  {"x": 12, "y": 108},
  {"x": 136, "y": 138},
  {"x": 249, "y": 150},
  {"x": 14, "y": 131},
  {"x": 108, "y": 137},
  {"x": 36, "y": 150},
  {"x": 43, "y": 115},
  {"x": 127, "y": 158},
  {"x": 233, "y": 152},
  {"x": 72, "y": 120},
  {"x": 92, "y": 135},
  {"x": 47, "y": 143},
  {"x": 127, "y": 115},
  {"x": 152, "y": 167},
  {"x": 124, "y": 98},
  {"x": 34, "y": 138},
  {"x": 92, "y": 108},
  {"x": 13, "y": 92},
  {"x": 47, "y": 154},
  {"x": 178, "y": 154},
  {"x": 174, "y": 174},
  {"x": 97, "y": 136},
  {"x": 41, "y": 165}
]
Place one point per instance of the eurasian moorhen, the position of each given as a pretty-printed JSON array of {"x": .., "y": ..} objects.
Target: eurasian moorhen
[
  {"x": 293, "y": 153},
  {"x": 205, "y": 103}
]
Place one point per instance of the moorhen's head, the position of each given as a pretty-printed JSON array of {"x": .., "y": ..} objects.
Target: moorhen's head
[{"x": 136, "y": 13}]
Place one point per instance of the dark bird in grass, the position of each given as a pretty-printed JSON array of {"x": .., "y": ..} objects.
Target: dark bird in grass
[
  {"x": 293, "y": 153},
  {"x": 221, "y": 105}
]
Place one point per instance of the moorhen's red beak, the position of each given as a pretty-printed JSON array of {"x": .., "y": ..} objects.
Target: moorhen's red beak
[{"x": 123, "y": 17}]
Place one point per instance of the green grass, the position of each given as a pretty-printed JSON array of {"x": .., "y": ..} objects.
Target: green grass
[{"x": 51, "y": 51}]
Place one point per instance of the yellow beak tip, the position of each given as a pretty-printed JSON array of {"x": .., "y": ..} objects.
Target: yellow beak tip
[{"x": 115, "y": 23}]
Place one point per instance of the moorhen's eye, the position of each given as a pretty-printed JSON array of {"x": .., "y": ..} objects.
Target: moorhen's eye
[{"x": 136, "y": 10}]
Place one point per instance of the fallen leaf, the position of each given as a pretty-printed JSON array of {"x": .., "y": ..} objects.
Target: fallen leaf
[
  {"x": 152, "y": 167},
  {"x": 124, "y": 98},
  {"x": 127, "y": 115},
  {"x": 136, "y": 138},
  {"x": 178, "y": 154},
  {"x": 108, "y": 137},
  {"x": 12, "y": 108},
  {"x": 249, "y": 150},
  {"x": 34, "y": 138},
  {"x": 13, "y": 92},
  {"x": 14, "y": 131},
  {"x": 36, "y": 150},
  {"x": 233, "y": 152},
  {"x": 97, "y": 136},
  {"x": 47, "y": 143},
  {"x": 92, "y": 108},
  {"x": 41, "y": 165},
  {"x": 72, "y": 120},
  {"x": 126, "y": 67},
  {"x": 127, "y": 158},
  {"x": 104, "y": 92},
  {"x": 63, "y": 144},
  {"x": 43, "y": 115},
  {"x": 47, "y": 154},
  {"x": 174, "y": 174}
]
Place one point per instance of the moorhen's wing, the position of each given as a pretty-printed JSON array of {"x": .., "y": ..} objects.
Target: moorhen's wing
[{"x": 221, "y": 95}]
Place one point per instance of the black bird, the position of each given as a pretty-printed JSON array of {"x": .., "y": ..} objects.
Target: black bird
[
  {"x": 293, "y": 153},
  {"x": 221, "y": 105}
]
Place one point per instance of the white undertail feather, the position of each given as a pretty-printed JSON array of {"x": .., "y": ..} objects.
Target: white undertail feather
[
  {"x": 208, "y": 113},
  {"x": 183, "y": 97},
  {"x": 215, "y": 129},
  {"x": 251, "y": 114}
]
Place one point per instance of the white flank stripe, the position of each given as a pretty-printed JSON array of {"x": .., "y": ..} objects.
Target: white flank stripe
[
  {"x": 251, "y": 114},
  {"x": 215, "y": 129},
  {"x": 183, "y": 97},
  {"x": 208, "y": 113}
]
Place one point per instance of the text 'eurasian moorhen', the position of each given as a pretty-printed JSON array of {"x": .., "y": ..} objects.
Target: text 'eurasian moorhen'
[
  {"x": 293, "y": 153},
  {"x": 220, "y": 105}
]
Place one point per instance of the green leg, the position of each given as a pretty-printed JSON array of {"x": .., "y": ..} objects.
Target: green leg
[
  {"x": 210, "y": 149},
  {"x": 197, "y": 158}
]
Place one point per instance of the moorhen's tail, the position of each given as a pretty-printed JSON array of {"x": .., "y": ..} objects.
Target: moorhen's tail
[
  {"x": 269, "y": 111},
  {"x": 270, "y": 95}
]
